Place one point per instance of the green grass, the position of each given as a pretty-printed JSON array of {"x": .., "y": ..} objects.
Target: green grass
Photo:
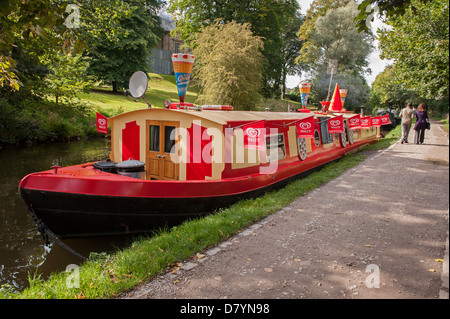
[
  {"x": 392, "y": 137},
  {"x": 445, "y": 121},
  {"x": 160, "y": 88},
  {"x": 106, "y": 276}
]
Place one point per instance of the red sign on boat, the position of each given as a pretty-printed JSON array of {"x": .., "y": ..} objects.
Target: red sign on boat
[
  {"x": 354, "y": 122},
  {"x": 375, "y": 121},
  {"x": 102, "y": 123},
  {"x": 254, "y": 135},
  {"x": 305, "y": 128},
  {"x": 385, "y": 120},
  {"x": 336, "y": 124},
  {"x": 365, "y": 122}
]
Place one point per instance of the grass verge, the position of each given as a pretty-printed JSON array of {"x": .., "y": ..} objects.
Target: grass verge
[
  {"x": 106, "y": 276},
  {"x": 445, "y": 121},
  {"x": 160, "y": 88}
]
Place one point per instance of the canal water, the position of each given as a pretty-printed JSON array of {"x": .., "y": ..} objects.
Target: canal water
[{"x": 22, "y": 249}]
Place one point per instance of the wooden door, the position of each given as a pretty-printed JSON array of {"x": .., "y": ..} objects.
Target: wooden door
[{"x": 161, "y": 139}]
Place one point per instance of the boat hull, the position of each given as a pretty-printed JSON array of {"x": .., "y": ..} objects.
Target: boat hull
[
  {"x": 71, "y": 215},
  {"x": 81, "y": 215}
]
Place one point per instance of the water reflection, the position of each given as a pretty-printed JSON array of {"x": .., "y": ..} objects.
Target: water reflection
[{"x": 22, "y": 249}]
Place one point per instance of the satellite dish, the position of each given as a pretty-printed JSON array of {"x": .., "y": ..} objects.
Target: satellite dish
[{"x": 138, "y": 86}]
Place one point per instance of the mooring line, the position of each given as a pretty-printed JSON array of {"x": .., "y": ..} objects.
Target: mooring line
[{"x": 47, "y": 233}]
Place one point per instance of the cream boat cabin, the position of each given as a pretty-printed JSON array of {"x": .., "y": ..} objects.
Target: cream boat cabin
[{"x": 198, "y": 145}]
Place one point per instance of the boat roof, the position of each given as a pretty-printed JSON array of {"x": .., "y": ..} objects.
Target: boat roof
[{"x": 224, "y": 117}]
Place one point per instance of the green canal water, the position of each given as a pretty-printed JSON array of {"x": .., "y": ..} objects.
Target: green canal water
[{"x": 22, "y": 249}]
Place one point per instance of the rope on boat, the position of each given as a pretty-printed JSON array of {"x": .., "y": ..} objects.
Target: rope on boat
[{"x": 47, "y": 233}]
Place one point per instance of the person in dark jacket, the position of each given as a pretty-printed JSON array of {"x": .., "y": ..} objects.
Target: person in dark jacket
[{"x": 421, "y": 124}]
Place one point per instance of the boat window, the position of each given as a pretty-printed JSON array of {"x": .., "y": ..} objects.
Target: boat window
[
  {"x": 326, "y": 137},
  {"x": 316, "y": 138},
  {"x": 154, "y": 138},
  {"x": 169, "y": 139},
  {"x": 275, "y": 148}
]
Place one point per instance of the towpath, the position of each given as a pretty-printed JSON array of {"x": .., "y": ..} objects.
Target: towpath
[{"x": 378, "y": 231}]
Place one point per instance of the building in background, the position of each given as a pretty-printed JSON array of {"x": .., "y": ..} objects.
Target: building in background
[{"x": 160, "y": 57}]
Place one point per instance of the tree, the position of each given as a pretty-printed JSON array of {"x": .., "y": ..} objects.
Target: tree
[
  {"x": 290, "y": 48},
  {"x": 318, "y": 8},
  {"x": 334, "y": 36},
  {"x": 268, "y": 19},
  {"x": 47, "y": 20},
  {"x": 389, "y": 91},
  {"x": 228, "y": 65},
  {"x": 418, "y": 42},
  {"x": 113, "y": 62},
  {"x": 388, "y": 8},
  {"x": 66, "y": 75}
]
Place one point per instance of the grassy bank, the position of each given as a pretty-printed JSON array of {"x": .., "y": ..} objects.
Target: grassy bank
[
  {"x": 41, "y": 120},
  {"x": 32, "y": 121},
  {"x": 160, "y": 88},
  {"x": 106, "y": 276}
]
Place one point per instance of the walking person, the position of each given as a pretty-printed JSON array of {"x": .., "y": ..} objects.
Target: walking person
[
  {"x": 407, "y": 115},
  {"x": 421, "y": 123}
]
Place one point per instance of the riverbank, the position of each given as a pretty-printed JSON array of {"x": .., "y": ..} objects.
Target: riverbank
[
  {"x": 107, "y": 275},
  {"x": 36, "y": 121}
]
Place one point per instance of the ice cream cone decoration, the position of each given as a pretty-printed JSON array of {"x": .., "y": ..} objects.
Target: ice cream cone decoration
[
  {"x": 343, "y": 94},
  {"x": 182, "y": 66},
  {"x": 304, "y": 93}
]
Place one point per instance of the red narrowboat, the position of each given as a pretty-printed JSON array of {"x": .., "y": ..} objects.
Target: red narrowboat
[{"x": 169, "y": 165}]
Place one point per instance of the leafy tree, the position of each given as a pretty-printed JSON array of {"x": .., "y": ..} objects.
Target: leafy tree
[
  {"x": 389, "y": 91},
  {"x": 27, "y": 53},
  {"x": 334, "y": 36},
  {"x": 228, "y": 65},
  {"x": 66, "y": 75},
  {"x": 418, "y": 42},
  {"x": 113, "y": 62},
  {"x": 318, "y": 8},
  {"x": 267, "y": 19},
  {"x": 387, "y": 8},
  {"x": 290, "y": 48},
  {"x": 46, "y": 20}
]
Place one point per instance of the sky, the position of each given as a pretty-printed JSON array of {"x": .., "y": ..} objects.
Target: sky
[{"x": 375, "y": 63}]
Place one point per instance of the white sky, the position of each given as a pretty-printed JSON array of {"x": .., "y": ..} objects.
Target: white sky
[{"x": 376, "y": 64}]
